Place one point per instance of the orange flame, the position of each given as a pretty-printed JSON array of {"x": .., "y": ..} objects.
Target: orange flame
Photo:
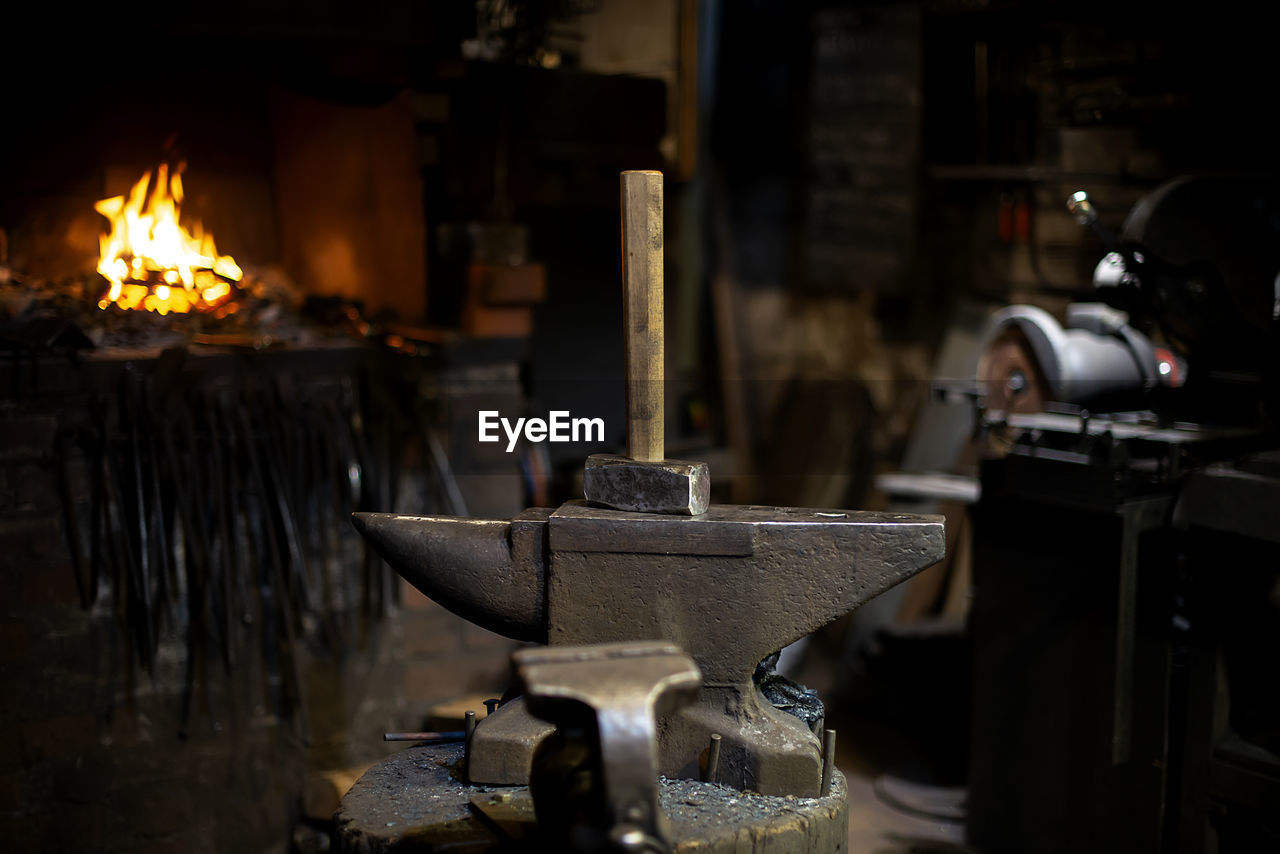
[{"x": 151, "y": 261}]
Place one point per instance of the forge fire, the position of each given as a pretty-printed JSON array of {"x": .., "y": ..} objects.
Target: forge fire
[{"x": 153, "y": 262}]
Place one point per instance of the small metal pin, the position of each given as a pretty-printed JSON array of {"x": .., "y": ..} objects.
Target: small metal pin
[
  {"x": 713, "y": 759},
  {"x": 491, "y": 704},
  {"x": 828, "y": 760},
  {"x": 469, "y": 730}
]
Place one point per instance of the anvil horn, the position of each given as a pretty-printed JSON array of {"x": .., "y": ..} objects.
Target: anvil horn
[{"x": 489, "y": 571}]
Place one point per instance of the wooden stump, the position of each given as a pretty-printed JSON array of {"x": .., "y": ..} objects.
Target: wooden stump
[{"x": 416, "y": 801}]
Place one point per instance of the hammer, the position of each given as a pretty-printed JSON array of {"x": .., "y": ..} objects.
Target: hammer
[
  {"x": 644, "y": 480},
  {"x": 729, "y": 585}
]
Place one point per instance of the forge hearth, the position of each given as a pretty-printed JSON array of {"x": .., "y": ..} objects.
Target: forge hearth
[{"x": 160, "y": 281}]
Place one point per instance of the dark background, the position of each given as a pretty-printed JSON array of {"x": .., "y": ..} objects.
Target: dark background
[{"x": 847, "y": 184}]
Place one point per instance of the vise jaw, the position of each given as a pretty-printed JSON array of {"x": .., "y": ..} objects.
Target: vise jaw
[
  {"x": 730, "y": 587},
  {"x": 600, "y": 768}
]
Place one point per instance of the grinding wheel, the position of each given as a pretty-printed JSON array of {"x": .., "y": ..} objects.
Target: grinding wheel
[{"x": 1010, "y": 377}]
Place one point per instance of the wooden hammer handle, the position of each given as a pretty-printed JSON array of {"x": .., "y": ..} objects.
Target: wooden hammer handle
[{"x": 642, "y": 312}]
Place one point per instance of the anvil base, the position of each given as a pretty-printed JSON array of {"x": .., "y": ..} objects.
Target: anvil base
[{"x": 762, "y": 749}]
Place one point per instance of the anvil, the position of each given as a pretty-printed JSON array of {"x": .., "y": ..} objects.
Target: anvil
[{"x": 730, "y": 586}]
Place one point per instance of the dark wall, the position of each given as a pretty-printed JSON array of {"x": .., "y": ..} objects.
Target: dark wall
[{"x": 1025, "y": 103}]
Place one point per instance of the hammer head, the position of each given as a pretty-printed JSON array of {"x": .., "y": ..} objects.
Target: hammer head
[{"x": 672, "y": 487}]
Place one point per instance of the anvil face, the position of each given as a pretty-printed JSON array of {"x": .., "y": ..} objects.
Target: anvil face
[{"x": 730, "y": 587}]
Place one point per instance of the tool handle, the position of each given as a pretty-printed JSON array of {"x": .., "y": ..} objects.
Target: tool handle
[{"x": 642, "y": 312}]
